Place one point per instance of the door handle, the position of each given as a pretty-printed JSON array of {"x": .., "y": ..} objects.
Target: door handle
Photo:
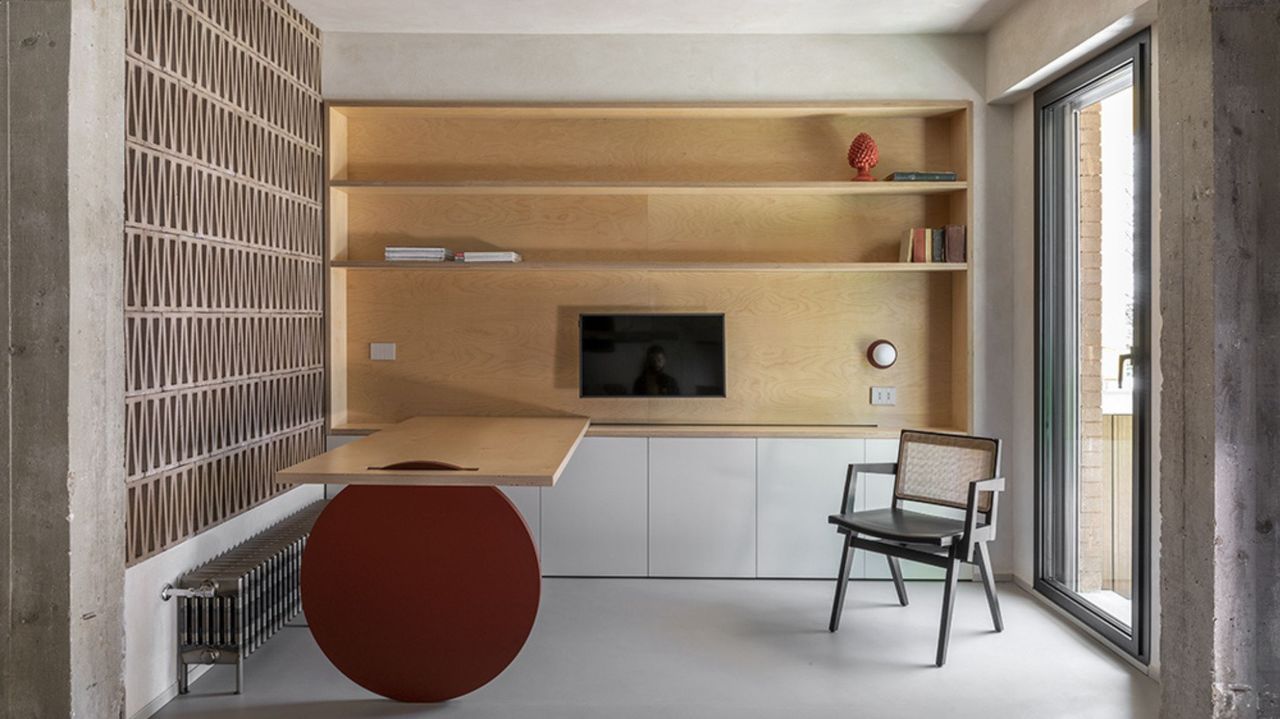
[{"x": 1126, "y": 357}]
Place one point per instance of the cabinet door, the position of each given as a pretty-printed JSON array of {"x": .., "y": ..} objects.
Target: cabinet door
[
  {"x": 702, "y": 507},
  {"x": 527, "y": 500},
  {"x": 877, "y": 492},
  {"x": 595, "y": 520},
  {"x": 801, "y": 482}
]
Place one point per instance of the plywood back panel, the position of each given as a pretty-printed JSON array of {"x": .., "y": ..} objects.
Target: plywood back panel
[
  {"x": 224, "y": 263},
  {"x": 506, "y": 342},
  {"x": 658, "y": 228},
  {"x": 429, "y": 145}
]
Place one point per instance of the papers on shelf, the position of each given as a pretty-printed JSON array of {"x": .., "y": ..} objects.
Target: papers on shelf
[
  {"x": 488, "y": 257},
  {"x": 417, "y": 254}
]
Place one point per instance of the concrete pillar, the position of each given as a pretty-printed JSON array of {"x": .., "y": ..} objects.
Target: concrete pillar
[
  {"x": 1220, "y": 285},
  {"x": 61, "y": 380}
]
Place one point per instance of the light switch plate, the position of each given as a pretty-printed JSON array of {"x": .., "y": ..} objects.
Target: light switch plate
[
  {"x": 884, "y": 396},
  {"x": 382, "y": 351}
]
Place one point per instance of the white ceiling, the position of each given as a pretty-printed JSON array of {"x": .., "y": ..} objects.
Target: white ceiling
[{"x": 555, "y": 17}]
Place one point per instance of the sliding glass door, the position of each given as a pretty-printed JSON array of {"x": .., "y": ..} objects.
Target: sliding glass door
[{"x": 1093, "y": 294}]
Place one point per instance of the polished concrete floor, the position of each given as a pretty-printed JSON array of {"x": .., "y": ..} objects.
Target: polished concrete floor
[{"x": 623, "y": 648}]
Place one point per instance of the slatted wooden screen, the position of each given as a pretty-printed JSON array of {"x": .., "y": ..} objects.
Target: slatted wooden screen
[{"x": 224, "y": 265}]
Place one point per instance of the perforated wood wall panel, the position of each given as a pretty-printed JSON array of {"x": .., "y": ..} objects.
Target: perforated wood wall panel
[{"x": 224, "y": 269}]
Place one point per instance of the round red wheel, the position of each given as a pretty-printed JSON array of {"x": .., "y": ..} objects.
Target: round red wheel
[{"x": 420, "y": 594}]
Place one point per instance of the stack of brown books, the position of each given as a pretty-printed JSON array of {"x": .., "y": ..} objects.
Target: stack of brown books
[{"x": 935, "y": 244}]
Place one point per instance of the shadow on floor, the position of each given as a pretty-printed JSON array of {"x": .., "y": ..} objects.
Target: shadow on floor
[{"x": 372, "y": 708}]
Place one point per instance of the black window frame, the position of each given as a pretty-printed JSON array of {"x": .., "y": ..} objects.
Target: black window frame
[{"x": 1055, "y": 386}]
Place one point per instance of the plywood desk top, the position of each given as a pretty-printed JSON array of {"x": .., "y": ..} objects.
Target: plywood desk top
[{"x": 505, "y": 451}]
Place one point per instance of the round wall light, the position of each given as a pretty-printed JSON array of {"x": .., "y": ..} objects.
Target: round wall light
[{"x": 882, "y": 354}]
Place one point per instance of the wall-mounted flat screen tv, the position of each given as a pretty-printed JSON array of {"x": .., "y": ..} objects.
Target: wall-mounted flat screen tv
[{"x": 651, "y": 355}]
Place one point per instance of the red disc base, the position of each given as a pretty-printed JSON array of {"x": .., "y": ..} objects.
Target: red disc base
[{"x": 420, "y": 594}]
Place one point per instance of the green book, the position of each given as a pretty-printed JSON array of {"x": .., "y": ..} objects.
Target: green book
[{"x": 921, "y": 177}]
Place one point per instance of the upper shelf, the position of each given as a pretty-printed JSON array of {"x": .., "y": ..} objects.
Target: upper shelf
[
  {"x": 648, "y": 188},
  {"x": 883, "y": 108}
]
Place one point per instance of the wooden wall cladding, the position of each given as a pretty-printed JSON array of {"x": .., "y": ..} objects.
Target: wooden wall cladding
[
  {"x": 656, "y": 228},
  {"x": 744, "y": 209},
  {"x": 505, "y": 342},
  {"x": 224, "y": 260}
]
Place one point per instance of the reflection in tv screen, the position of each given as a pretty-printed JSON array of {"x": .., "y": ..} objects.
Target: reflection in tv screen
[{"x": 656, "y": 355}]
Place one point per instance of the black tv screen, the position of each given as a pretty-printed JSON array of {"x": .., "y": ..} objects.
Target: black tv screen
[{"x": 654, "y": 355}]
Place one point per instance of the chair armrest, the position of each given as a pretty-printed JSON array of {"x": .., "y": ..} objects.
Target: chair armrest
[
  {"x": 851, "y": 479},
  {"x": 991, "y": 484},
  {"x": 976, "y": 487}
]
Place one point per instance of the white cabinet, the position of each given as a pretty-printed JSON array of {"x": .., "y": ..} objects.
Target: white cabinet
[
  {"x": 800, "y": 483},
  {"x": 595, "y": 520},
  {"x": 527, "y": 501},
  {"x": 875, "y": 491},
  {"x": 702, "y": 507}
]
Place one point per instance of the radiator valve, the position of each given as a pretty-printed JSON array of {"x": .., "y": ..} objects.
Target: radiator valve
[{"x": 204, "y": 591}]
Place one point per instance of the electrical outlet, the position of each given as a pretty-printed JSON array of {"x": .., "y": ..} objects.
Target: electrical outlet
[
  {"x": 884, "y": 396},
  {"x": 382, "y": 351}
]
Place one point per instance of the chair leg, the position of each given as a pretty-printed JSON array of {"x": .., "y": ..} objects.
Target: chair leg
[
  {"x": 842, "y": 583},
  {"x": 989, "y": 583},
  {"x": 948, "y": 602},
  {"x": 896, "y": 570}
]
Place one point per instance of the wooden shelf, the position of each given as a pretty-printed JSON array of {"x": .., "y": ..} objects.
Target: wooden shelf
[
  {"x": 807, "y": 431},
  {"x": 810, "y": 431},
  {"x": 648, "y": 188},
  {"x": 654, "y": 266}
]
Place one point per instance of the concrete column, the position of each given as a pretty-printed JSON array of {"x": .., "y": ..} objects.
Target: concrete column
[
  {"x": 1220, "y": 285},
  {"x": 61, "y": 380}
]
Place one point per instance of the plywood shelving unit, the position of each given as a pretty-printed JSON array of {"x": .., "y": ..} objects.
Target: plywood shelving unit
[{"x": 742, "y": 209}]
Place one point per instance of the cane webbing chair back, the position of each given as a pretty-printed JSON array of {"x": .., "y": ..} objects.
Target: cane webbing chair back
[{"x": 937, "y": 468}]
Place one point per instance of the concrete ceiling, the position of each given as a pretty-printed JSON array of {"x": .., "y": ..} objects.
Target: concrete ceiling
[{"x": 555, "y": 17}]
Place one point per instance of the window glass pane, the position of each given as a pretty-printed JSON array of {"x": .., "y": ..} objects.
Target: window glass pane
[{"x": 1104, "y": 142}]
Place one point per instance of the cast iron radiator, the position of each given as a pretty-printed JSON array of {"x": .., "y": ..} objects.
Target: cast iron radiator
[{"x": 229, "y": 606}]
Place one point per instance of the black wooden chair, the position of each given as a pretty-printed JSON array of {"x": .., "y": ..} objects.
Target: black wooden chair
[{"x": 944, "y": 470}]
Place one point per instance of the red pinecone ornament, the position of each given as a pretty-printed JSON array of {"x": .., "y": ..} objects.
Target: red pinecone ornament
[{"x": 863, "y": 155}]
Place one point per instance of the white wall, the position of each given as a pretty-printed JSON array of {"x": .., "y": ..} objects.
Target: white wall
[
  {"x": 694, "y": 68},
  {"x": 1020, "y": 459},
  {"x": 650, "y": 67},
  {"x": 1038, "y": 39},
  {"x": 150, "y": 673}
]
